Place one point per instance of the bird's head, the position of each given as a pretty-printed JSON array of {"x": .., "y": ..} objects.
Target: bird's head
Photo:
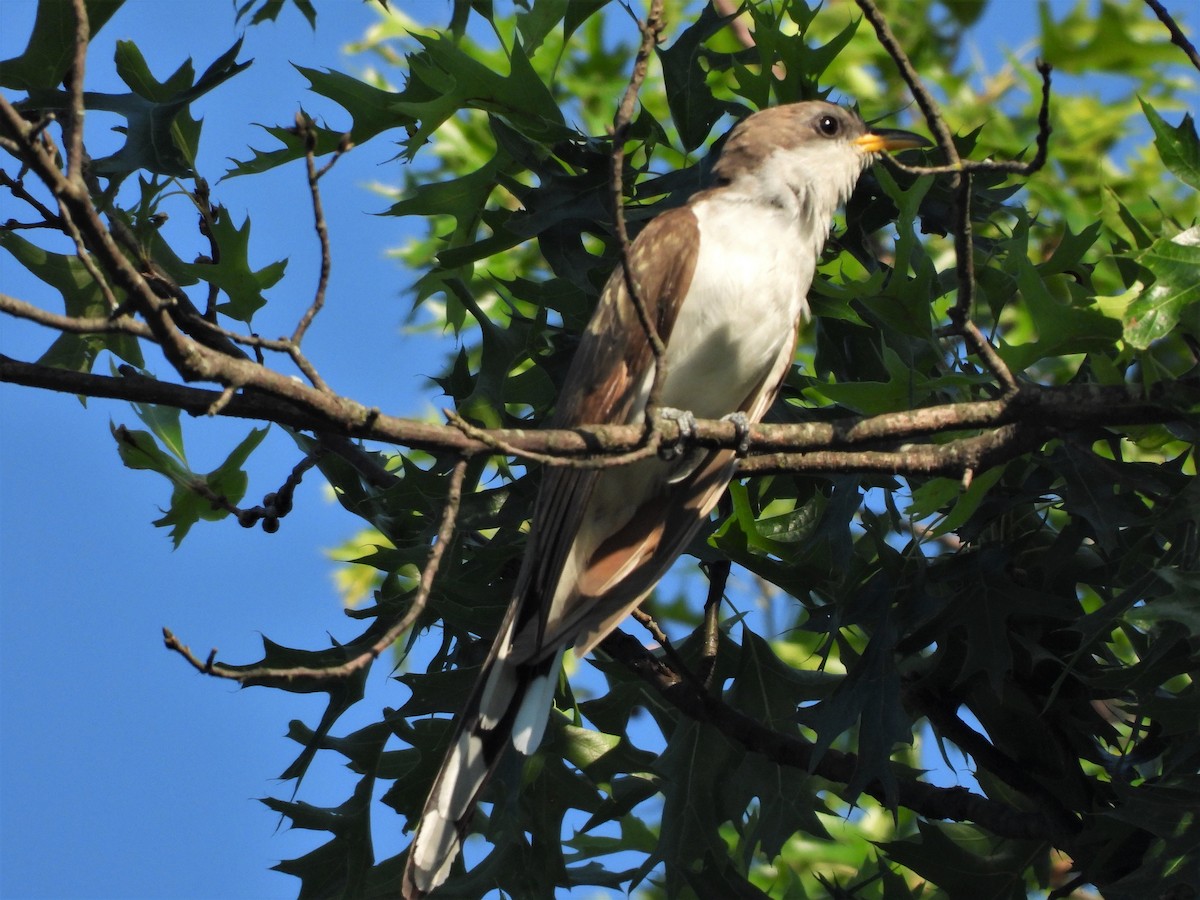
[{"x": 812, "y": 151}]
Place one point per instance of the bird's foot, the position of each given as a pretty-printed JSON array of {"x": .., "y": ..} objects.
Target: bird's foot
[
  {"x": 687, "y": 431},
  {"x": 741, "y": 430}
]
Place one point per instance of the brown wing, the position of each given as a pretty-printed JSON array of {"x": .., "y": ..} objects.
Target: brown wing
[
  {"x": 615, "y": 532},
  {"x": 605, "y": 384},
  {"x": 632, "y": 560}
]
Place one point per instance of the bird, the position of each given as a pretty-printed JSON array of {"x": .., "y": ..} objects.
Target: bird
[{"x": 724, "y": 278}]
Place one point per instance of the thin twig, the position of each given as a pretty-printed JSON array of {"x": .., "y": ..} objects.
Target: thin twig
[
  {"x": 718, "y": 576},
  {"x": 937, "y": 123},
  {"x": 304, "y": 128},
  {"x": 908, "y": 72},
  {"x": 227, "y": 394},
  {"x": 276, "y": 504},
  {"x": 373, "y": 650},
  {"x": 277, "y": 345},
  {"x": 647, "y": 621},
  {"x": 73, "y": 125},
  {"x": 990, "y": 356},
  {"x": 964, "y": 245},
  {"x": 964, "y": 253},
  {"x": 14, "y": 225},
  {"x": 651, "y": 29},
  {"x": 85, "y": 258},
  {"x": 207, "y": 226},
  {"x": 645, "y": 449},
  {"x": 72, "y": 324},
  {"x": 1178, "y": 38},
  {"x": 1044, "y": 129},
  {"x": 961, "y": 322},
  {"x": 17, "y": 187}
]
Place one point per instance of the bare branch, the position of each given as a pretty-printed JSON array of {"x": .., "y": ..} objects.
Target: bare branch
[
  {"x": 964, "y": 246},
  {"x": 651, "y": 29},
  {"x": 1178, "y": 38},
  {"x": 72, "y": 123},
  {"x": 208, "y": 220},
  {"x": 500, "y": 445},
  {"x": 304, "y": 128},
  {"x": 718, "y": 576},
  {"x": 953, "y": 459},
  {"x": 964, "y": 253},
  {"x": 925, "y": 101},
  {"x": 953, "y": 803},
  {"x": 17, "y": 187},
  {"x": 72, "y": 324},
  {"x": 366, "y": 649},
  {"x": 85, "y": 258},
  {"x": 1059, "y": 407}
]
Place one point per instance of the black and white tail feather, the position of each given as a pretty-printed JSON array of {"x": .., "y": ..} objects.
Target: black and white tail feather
[{"x": 510, "y": 703}]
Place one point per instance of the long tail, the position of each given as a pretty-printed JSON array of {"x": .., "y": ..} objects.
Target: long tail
[{"x": 510, "y": 704}]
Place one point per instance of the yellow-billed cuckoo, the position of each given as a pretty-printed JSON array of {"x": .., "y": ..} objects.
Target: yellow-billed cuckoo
[{"x": 725, "y": 280}]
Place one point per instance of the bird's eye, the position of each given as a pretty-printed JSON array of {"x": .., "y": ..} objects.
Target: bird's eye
[{"x": 829, "y": 126}]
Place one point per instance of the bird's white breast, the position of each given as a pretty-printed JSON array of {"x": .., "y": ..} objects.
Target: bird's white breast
[{"x": 747, "y": 295}]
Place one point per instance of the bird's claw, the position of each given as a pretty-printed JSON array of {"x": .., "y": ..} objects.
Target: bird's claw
[
  {"x": 687, "y": 432},
  {"x": 741, "y": 430}
]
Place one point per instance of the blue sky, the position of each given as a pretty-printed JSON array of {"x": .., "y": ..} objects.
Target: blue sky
[{"x": 123, "y": 774}]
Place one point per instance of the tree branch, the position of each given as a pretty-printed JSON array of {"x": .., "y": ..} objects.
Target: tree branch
[
  {"x": 650, "y": 29},
  {"x": 1070, "y": 406},
  {"x": 72, "y": 123},
  {"x": 361, "y": 652},
  {"x": 955, "y": 804},
  {"x": 964, "y": 245},
  {"x": 304, "y": 127},
  {"x": 1178, "y": 38},
  {"x": 121, "y": 324},
  {"x": 933, "y": 117}
]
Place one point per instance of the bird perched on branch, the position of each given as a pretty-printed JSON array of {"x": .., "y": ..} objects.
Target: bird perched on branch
[{"x": 724, "y": 280}]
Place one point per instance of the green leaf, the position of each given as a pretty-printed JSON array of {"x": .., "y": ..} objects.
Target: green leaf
[
  {"x": 693, "y": 107},
  {"x": 141, "y": 450},
  {"x": 904, "y": 388},
  {"x": 1062, "y": 319},
  {"x": 444, "y": 79},
  {"x": 340, "y": 867},
  {"x": 869, "y": 696},
  {"x": 938, "y": 494},
  {"x": 697, "y": 759},
  {"x": 1175, "y": 265},
  {"x": 369, "y": 111},
  {"x": 578, "y": 12},
  {"x": 1180, "y": 605},
  {"x": 534, "y": 23},
  {"x": 269, "y": 10},
  {"x": 164, "y": 423},
  {"x": 82, "y": 298},
  {"x": 1118, "y": 38},
  {"x": 160, "y": 137},
  {"x": 718, "y": 878},
  {"x": 232, "y": 273},
  {"x": 51, "y": 46},
  {"x": 1178, "y": 146},
  {"x": 964, "y": 862}
]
